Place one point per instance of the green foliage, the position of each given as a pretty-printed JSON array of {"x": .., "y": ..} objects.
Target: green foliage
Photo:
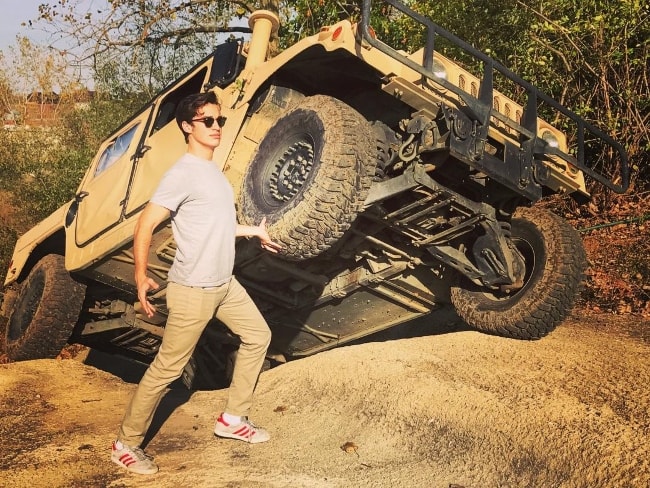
[
  {"x": 38, "y": 171},
  {"x": 303, "y": 18},
  {"x": 7, "y": 239}
]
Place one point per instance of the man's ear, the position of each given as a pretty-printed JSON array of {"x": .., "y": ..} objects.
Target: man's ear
[{"x": 187, "y": 127}]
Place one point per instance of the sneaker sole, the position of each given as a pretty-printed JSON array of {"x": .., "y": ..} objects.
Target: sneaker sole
[
  {"x": 226, "y": 435},
  {"x": 133, "y": 470}
]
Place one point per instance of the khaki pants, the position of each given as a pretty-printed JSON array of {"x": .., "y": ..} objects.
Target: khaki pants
[{"x": 190, "y": 309}]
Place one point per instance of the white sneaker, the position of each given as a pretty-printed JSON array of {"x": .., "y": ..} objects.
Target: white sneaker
[
  {"x": 133, "y": 459},
  {"x": 244, "y": 431}
]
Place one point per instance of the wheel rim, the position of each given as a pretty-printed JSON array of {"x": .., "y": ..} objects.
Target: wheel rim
[
  {"x": 291, "y": 170},
  {"x": 530, "y": 258}
]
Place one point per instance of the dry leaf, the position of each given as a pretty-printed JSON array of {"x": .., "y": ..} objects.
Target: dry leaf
[{"x": 350, "y": 447}]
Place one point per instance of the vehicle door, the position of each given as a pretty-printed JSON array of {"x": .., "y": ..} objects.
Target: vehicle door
[{"x": 102, "y": 193}]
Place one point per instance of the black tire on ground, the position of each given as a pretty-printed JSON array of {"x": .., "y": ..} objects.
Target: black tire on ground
[
  {"x": 310, "y": 176},
  {"x": 45, "y": 312},
  {"x": 555, "y": 264}
]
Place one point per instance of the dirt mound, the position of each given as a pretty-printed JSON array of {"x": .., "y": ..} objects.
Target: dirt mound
[{"x": 458, "y": 407}]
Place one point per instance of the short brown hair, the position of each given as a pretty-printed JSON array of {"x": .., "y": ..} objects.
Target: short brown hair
[{"x": 189, "y": 106}]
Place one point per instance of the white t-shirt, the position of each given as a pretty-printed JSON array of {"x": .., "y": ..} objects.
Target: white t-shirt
[{"x": 204, "y": 222}]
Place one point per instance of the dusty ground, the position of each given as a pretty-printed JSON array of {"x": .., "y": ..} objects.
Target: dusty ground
[{"x": 443, "y": 406}]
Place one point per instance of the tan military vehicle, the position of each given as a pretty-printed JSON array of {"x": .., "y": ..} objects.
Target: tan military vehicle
[{"x": 397, "y": 182}]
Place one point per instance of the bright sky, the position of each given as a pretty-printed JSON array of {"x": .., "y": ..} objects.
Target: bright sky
[{"x": 15, "y": 12}]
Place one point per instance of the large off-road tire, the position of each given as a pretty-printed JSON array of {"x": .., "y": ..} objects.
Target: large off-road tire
[
  {"x": 555, "y": 263},
  {"x": 45, "y": 311},
  {"x": 310, "y": 176}
]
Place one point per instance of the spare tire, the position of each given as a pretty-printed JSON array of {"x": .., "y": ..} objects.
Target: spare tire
[
  {"x": 555, "y": 262},
  {"x": 310, "y": 176}
]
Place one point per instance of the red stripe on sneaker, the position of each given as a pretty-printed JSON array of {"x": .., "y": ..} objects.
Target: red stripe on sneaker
[
  {"x": 243, "y": 431},
  {"x": 127, "y": 460},
  {"x": 222, "y": 421}
]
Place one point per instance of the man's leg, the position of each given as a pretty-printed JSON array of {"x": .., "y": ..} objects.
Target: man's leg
[
  {"x": 190, "y": 309},
  {"x": 240, "y": 314}
]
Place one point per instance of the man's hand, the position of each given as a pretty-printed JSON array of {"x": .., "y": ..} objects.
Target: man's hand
[
  {"x": 144, "y": 285},
  {"x": 265, "y": 239},
  {"x": 261, "y": 233}
]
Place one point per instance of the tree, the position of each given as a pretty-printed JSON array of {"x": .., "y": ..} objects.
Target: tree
[
  {"x": 600, "y": 52},
  {"x": 6, "y": 91},
  {"x": 35, "y": 72},
  {"x": 142, "y": 45}
]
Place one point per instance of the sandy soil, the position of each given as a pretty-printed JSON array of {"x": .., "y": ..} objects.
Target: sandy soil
[{"x": 429, "y": 405}]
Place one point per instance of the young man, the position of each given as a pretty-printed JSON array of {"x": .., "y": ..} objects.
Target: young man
[{"x": 199, "y": 200}]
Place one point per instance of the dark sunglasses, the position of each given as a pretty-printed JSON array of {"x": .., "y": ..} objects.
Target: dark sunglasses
[{"x": 209, "y": 121}]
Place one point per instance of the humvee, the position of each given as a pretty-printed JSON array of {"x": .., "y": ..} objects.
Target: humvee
[{"x": 397, "y": 182}]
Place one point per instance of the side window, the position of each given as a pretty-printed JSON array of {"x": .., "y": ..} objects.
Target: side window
[
  {"x": 167, "y": 110},
  {"x": 115, "y": 150}
]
